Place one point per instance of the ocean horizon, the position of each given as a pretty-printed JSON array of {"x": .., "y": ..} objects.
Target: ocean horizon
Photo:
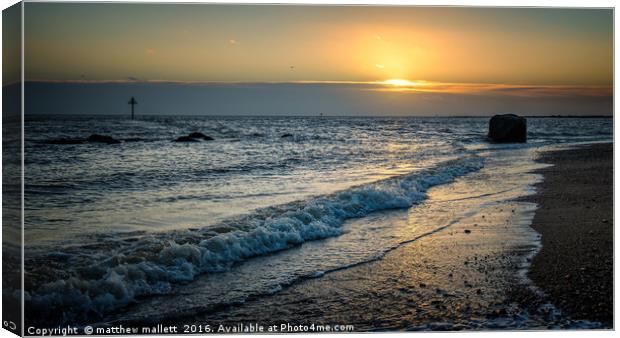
[{"x": 313, "y": 99}]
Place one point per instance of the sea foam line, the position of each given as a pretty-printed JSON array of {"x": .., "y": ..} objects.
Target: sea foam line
[{"x": 80, "y": 298}]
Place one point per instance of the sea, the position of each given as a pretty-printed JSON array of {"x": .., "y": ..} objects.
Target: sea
[{"x": 390, "y": 223}]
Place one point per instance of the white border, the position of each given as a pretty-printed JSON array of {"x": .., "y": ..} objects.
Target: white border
[{"x": 481, "y": 3}]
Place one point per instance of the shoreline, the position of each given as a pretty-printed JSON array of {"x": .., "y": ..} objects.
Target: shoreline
[
  {"x": 476, "y": 240},
  {"x": 463, "y": 271},
  {"x": 574, "y": 267}
]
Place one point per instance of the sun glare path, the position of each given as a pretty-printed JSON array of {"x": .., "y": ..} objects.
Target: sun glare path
[{"x": 400, "y": 82}]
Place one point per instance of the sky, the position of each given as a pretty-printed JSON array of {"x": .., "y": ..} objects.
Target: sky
[{"x": 407, "y": 53}]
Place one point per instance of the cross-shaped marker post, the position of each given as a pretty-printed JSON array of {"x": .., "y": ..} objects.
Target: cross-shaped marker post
[{"x": 132, "y": 102}]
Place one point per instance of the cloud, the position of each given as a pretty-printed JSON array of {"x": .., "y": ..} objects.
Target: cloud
[
  {"x": 501, "y": 89},
  {"x": 232, "y": 41},
  {"x": 414, "y": 87},
  {"x": 380, "y": 66}
]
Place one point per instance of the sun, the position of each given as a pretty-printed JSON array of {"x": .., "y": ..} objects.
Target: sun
[{"x": 399, "y": 83}]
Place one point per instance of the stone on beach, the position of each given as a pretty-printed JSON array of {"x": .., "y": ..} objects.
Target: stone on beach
[{"x": 508, "y": 128}]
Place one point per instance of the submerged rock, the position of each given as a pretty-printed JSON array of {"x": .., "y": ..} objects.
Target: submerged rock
[
  {"x": 102, "y": 139},
  {"x": 286, "y": 135},
  {"x": 64, "y": 141},
  {"x": 194, "y": 137},
  {"x": 200, "y": 136},
  {"x": 507, "y": 128},
  {"x": 95, "y": 138},
  {"x": 186, "y": 139}
]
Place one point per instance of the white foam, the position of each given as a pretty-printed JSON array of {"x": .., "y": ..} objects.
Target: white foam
[{"x": 182, "y": 259}]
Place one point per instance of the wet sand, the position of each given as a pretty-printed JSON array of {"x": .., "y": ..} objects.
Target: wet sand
[
  {"x": 461, "y": 273},
  {"x": 466, "y": 269},
  {"x": 575, "y": 219}
]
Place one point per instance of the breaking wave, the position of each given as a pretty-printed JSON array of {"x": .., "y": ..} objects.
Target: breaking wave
[{"x": 84, "y": 283}]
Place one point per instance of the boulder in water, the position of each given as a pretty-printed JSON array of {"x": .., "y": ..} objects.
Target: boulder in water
[
  {"x": 102, "y": 139},
  {"x": 286, "y": 135},
  {"x": 194, "y": 137},
  {"x": 186, "y": 139},
  {"x": 197, "y": 135},
  {"x": 64, "y": 141},
  {"x": 507, "y": 128}
]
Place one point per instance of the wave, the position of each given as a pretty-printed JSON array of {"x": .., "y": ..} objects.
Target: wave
[{"x": 84, "y": 283}]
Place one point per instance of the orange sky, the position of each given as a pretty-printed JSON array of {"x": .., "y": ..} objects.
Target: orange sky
[{"x": 206, "y": 43}]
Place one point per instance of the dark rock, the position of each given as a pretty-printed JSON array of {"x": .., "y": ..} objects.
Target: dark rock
[
  {"x": 507, "y": 128},
  {"x": 467, "y": 231},
  {"x": 102, "y": 139},
  {"x": 186, "y": 139},
  {"x": 286, "y": 135},
  {"x": 198, "y": 135},
  {"x": 194, "y": 137},
  {"x": 65, "y": 141}
]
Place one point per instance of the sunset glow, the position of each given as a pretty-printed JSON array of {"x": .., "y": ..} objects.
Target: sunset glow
[
  {"x": 412, "y": 59},
  {"x": 313, "y": 43},
  {"x": 400, "y": 83}
]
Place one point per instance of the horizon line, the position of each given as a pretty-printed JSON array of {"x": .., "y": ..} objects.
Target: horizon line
[
  {"x": 385, "y": 82},
  {"x": 390, "y": 85},
  {"x": 336, "y": 115}
]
